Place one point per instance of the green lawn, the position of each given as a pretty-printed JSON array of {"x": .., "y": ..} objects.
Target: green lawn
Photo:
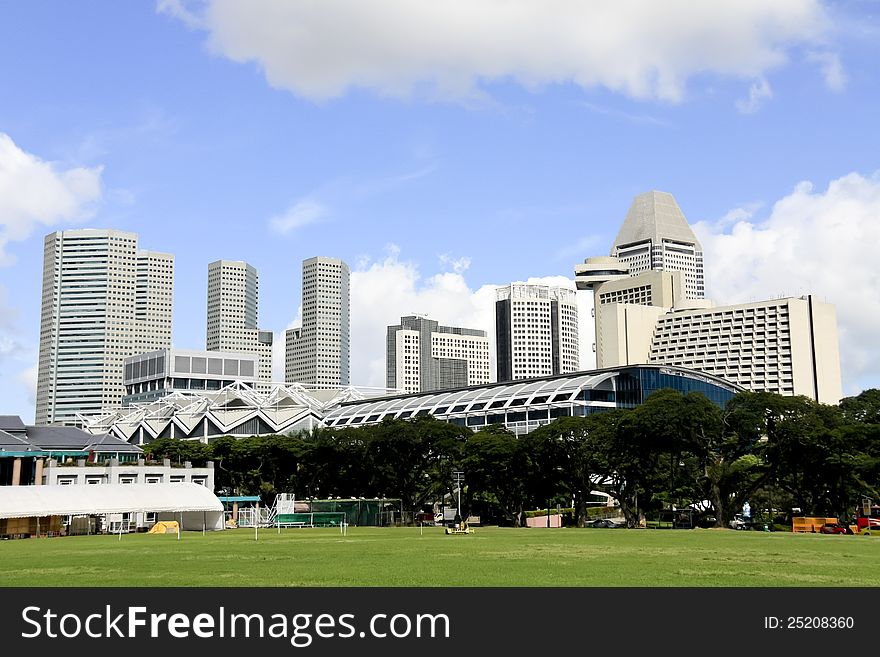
[{"x": 489, "y": 557}]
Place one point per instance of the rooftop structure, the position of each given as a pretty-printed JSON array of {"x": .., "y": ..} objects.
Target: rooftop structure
[
  {"x": 525, "y": 405},
  {"x": 655, "y": 235},
  {"x": 236, "y": 410}
]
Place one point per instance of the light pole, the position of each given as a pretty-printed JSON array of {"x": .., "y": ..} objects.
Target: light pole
[{"x": 458, "y": 477}]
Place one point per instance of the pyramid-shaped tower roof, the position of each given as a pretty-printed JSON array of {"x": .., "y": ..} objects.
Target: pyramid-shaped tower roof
[{"x": 655, "y": 216}]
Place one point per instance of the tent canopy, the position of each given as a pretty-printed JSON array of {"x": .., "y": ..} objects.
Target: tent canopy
[{"x": 42, "y": 501}]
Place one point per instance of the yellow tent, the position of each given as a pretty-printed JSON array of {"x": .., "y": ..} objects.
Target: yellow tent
[{"x": 165, "y": 527}]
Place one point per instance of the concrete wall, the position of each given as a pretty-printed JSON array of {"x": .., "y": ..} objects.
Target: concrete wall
[{"x": 115, "y": 473}]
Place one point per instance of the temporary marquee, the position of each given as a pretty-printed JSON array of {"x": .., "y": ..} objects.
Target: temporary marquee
[{"x": 174, "y": 501}]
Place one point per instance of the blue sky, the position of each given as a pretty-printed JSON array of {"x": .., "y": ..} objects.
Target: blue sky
[{"x": 439, "y": 150}]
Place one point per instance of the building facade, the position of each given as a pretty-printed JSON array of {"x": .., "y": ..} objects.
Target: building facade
[
  {"x": 236, "y": 410},
  {"x": 155, "y": 374},
  {"x": 524, "y": 405},
  {"x": 421, "y": 355},
  {"x": 536, "y": 331},
  {"x": 787, "y": 346},
  {"x": 139, "y": 472},
  {"x": 233, "y": 301},
  {"x": 318, "y": 352},
  {"x": 25, "y": 450},
  {"x": 154, "y": 298},
  {"x": 656, "y": 236},
  {"x": 103, "y": 300}
]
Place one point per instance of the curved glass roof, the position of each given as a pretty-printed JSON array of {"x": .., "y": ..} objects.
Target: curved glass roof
[{"x": 548, "y": 391}]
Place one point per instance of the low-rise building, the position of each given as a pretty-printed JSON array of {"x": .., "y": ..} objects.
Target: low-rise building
[
  {"x": 154, "y": 375},
  {"x": 114, "y": 472}
]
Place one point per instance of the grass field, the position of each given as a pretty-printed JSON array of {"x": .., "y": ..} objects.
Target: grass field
[{"x": 489, "y": 557}]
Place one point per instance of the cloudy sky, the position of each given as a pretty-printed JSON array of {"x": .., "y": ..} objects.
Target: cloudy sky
[{"x": 441, "y": 149}]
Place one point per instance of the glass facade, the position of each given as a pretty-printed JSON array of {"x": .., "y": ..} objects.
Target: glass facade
[
  {"x": 634, "y": 387},
  {"x": 525, "y": 405}
]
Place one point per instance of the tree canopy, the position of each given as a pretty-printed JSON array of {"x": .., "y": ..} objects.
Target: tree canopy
[{"x": 674, "y": 451}]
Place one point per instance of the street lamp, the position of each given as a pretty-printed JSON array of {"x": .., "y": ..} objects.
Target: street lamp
[{"x": 458, "y": 478}]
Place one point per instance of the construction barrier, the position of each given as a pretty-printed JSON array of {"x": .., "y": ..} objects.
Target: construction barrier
[{"x": 810, "y": 525}]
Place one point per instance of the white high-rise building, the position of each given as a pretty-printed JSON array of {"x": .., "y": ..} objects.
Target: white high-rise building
[
  {"x": 233, "y": 300},
  {"x": 421, "y": 356},
  {"x": 317, "y": 353},
  {"x": 154, "y": 297},
  {"x": 536, "y": 331},
  {"x": 658, "y": 315},
  {"x": 103, "y": 300},
  {"x": 655, "y": 235},
  {"x": 788, "y": 346}
]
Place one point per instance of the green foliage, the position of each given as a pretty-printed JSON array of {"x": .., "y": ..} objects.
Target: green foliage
[{"x": 673, "y": 450}]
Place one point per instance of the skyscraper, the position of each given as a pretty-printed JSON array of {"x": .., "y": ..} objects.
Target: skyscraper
[
  {"x": 103, "y": 300},
  {"x": 655, "y": 235},
  {"x": 154, "y": 296},
  {"x": 421, "y": 355},
  {"x": 536, "y": 331},
  {"x": 317, "y": 353},
  {"x": 233, "y": 300},
  {"x": 654, "y": 315}
]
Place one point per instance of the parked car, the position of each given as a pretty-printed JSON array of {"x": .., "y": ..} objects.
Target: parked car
[
  {"x": 604, "y": 523},
  {"x": 834, "y": 528},
  {"x": 739, "y": 522}
]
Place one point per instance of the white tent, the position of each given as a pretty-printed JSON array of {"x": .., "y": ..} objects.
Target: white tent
[{"x": 194, "y": 505}]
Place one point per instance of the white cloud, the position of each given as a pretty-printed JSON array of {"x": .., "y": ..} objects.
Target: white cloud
[
  {"x": 759, "y": 91},
  {"x": 178, "y": 9},
  {"x": 448, "y": 49},
  {"x": 458, "y": 265},
  {"x": 28, "y": 378},
  {"x": 300, "y": 214},
  {"x": 812, "y": 242},
  {"x": 832, "y": 69},
  {"x": 741, "y": 213},
  {"x": 14, "y": 352},
  {"x": 385, "y": 290},
  {"x": 34, "y": 192}
]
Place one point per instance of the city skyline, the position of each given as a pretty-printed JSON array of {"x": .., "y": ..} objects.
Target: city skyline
[{"x": 474, "y": 165}]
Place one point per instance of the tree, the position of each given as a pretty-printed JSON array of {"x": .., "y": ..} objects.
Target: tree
[
  {"x": 178, "y": 451},
  {"x": 413, "y": 459},
  {"x": 808, "y": 456},
  {"x": 863, "y": 408},
  {"x": 565, "y": 459},
  {"x": 624, "y": 461},
  {"x": 497, "y": 470}
]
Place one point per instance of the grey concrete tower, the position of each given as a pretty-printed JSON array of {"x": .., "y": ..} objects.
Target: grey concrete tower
[
  {"x": 233, "y": 301},
  {"x": 655, "y": 235},
  {"x": 317, "y": 353}
]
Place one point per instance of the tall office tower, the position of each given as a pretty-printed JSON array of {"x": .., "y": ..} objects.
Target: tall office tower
[
  {"x": 318, "y": 352},
  {"x": 421, "y": 355},
  {"x": 536, "y": 331},
  {"x": 154, "y": 297},
  {"x": 233, "y": 288},
  {"x": 102, "y": 302},
  {"x": 655, "y": 235}
]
